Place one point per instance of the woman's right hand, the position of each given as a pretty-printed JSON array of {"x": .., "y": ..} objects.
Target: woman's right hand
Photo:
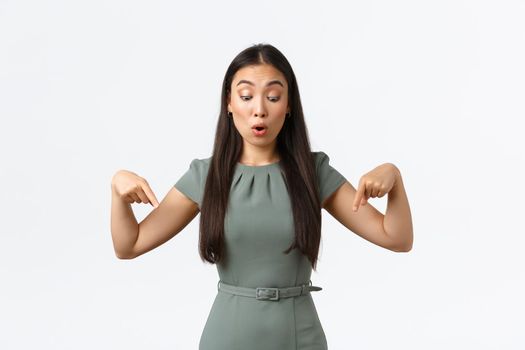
[{"x": 132, "y": 188}]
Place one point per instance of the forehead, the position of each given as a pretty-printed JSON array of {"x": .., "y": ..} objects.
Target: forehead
[{"x": 259, "y": 75}]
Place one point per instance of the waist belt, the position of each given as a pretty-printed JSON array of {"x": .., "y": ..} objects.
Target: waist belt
[{"x": 267, "y": 293}]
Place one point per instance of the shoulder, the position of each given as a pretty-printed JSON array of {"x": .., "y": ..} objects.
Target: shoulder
[
  {"x": 200, "y": 166},
  {"x": 320, "y": 158},
  {"x": 324, "y": 168},
  {"x": 201, "y": 161},
  {"x": 319, "y": 154}
]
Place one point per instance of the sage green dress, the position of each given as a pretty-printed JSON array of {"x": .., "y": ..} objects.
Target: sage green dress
[{"x": 258, "y": 227}]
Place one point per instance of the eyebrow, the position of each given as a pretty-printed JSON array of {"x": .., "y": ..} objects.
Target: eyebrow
[{"x": 271, "y": 82}]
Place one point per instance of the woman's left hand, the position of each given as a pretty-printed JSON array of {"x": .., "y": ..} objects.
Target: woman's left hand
[{"x": 376, "y": 183}]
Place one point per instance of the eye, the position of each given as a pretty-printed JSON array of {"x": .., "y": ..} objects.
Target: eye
[{"x": 271, "y": 98}]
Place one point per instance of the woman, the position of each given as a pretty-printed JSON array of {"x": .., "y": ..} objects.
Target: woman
[{"x": 260, "y": 196}]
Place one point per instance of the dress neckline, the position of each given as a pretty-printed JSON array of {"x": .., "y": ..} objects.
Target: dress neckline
[{"x": 265, "y": 166}]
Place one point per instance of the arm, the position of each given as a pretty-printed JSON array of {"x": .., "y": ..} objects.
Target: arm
[
  {"x": 131, "y": 240},
  {"x": 397, "y": 221},
  {"x": 392, "y": 231},
  {"x": 124, "y": 227}
]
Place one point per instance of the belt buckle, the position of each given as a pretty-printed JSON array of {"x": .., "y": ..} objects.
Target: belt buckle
[{"x": 274, "y": 296}]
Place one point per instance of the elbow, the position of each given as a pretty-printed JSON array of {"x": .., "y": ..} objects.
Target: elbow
[
  {"x": 403, "y": 247},
  {"x": 124, "y": 251},
  {"x": 124, "y": 255}
]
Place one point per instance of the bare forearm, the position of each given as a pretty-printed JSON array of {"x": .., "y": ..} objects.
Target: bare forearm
[
  {"x": 398, "y": 219},
  {"x": 124, "y": 226}
]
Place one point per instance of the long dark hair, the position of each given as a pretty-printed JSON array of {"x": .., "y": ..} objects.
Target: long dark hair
[{"x": 296, "y": 161}]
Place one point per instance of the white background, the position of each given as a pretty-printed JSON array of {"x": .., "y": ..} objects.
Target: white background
[{"x": 89, "y": 87}]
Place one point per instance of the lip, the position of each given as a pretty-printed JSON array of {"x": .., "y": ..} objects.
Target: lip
[
  {"x": 260, "y": 133},
  {"x": 259, "y": 125}
]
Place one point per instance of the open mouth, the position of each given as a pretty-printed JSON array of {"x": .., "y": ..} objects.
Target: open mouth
[{"x": 259, "y": 130}]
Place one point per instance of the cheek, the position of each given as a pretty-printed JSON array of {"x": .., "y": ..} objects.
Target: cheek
[
  {"x": 241, "y": 122},
  {"x": 240, "y": 108},
  {"x": 280, "y": 107}
]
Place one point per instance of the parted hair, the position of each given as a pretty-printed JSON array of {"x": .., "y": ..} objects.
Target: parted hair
[{"x": 296, "y": 160}]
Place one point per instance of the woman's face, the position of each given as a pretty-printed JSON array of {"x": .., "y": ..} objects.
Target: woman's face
[{"x": 259, "y": 95}]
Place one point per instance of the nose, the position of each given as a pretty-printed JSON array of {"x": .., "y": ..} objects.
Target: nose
[{"x": 259, "y": 109}]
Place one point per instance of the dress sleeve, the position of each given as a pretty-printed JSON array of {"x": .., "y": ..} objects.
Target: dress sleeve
[
  {"x": 191, "y": 182},
  {"x": 329, "y": 178}
]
